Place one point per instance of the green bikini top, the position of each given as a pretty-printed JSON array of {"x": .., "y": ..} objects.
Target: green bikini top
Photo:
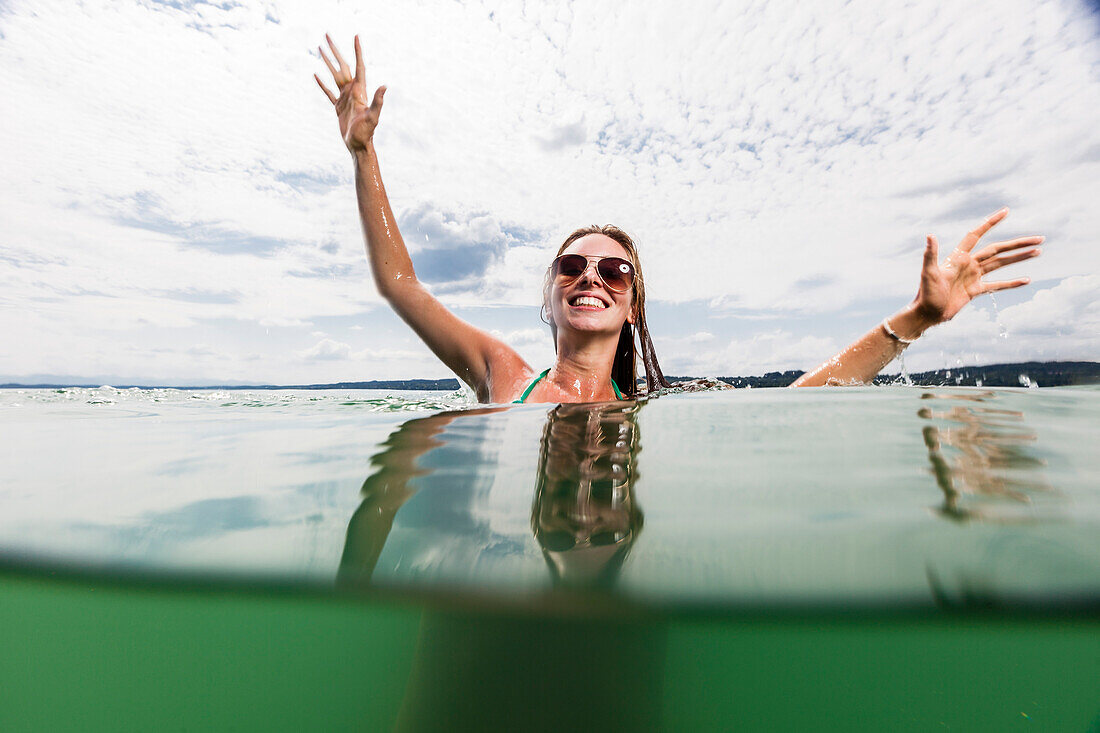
[{"x": 531, "y": 386}]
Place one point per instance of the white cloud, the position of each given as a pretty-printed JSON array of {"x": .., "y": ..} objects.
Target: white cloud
[
  {"x": 526, "y": 336},
  {"x": 176, "y": 170},
  {"x": 775, "y": 350},
  {"x": 1057, "y": 323},
  {"x": 398, "y": 355},
  {"x": 1069, "y": 310},
  {"x": 277, "y": 322},
  {"x": 201, "y": 350},
  {"x": 326, "y": 350}
]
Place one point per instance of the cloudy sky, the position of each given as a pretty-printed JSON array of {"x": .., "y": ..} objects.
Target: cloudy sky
[{"x": 177, "y": 205}]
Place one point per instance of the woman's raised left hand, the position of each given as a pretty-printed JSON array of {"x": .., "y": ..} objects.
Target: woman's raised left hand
[
  {"x": 948, "y": 286},
  {"x": 357, "y": 117}
]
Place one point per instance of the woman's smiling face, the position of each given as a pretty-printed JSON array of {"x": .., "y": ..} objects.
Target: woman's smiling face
[{"x": 586, "y": 303}]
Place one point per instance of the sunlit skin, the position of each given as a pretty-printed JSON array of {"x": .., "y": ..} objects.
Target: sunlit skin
[
  {"x": 945, "y": 287},
  {"x": 586, "y": 337}
]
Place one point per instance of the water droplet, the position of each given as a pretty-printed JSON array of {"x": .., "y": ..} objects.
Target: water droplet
[{"x": 1001, "y": 330}]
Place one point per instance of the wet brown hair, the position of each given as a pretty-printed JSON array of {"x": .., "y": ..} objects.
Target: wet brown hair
[
  {"x": 585, "y": 488},
  {"x": 623, "y": 370}
]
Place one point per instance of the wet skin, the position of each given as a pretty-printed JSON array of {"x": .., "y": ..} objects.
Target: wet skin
[{"x": 587, "y": 335}]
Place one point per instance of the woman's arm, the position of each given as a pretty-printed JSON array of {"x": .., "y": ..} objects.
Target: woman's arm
[
  {"x": 475, "y": 356},
  {"x": 387, "y": 489},
  {"x": 944, "y": 290},
  {"x": 863, "y": 359}
]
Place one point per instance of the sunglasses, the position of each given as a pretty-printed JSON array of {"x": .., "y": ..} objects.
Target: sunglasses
[
  {"x": 562, "y": 541},
  {"x": 616, "y": 273}
]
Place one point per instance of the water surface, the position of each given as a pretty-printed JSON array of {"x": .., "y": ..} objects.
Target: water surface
[
  {"x": 843, "y": 498},
  {"x": 837, "y": 559}
]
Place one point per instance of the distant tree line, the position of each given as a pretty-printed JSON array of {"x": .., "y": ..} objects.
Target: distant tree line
[{"x": 1045, "y": 374}]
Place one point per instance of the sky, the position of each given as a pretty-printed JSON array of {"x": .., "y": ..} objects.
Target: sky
[{"x": 178, "y": 206}]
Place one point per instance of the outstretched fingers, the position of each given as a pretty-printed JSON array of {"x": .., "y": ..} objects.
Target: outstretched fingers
[
  {"x": 330, "y": 95},
  {"x": 344, "y": 68},
  {"x": 991, "y": 250},
  {"x": 973, "y": 236},
  {"x": 1004, "y": 285},
  {"x": 331, "y": 68},
  {"x": 996, "y": 263},
  {"x": 376, "y": 103},
  {"x": 360, "y": 70},
  {"x": 931, "y": 251}
]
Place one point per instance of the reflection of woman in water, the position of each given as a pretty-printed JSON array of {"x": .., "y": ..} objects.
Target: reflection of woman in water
[
  {"x": 992, "y": 475},
  {"x": 538, "y": 670},
  {"x": 585, "y": 517},
  {"x": 595, "y": 294}
]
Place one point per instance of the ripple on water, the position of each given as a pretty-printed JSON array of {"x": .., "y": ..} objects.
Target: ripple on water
[{"x": 369, "y": 400}]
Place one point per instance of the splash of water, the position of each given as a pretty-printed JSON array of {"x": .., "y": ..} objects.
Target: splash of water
[
  {"x": 1001, "y": 330},
  {"x": 369, "y": 400},
  {"x": 905, "y": 378}
]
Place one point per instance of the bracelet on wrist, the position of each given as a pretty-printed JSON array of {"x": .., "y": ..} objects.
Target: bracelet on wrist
[{"x": 892, "y": 334}]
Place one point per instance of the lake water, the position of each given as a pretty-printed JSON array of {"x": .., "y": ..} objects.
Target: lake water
[{"x": 883, "y": 558}]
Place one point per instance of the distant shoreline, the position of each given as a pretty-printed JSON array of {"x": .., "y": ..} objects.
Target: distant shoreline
[{"x": 1045, "y": 374}]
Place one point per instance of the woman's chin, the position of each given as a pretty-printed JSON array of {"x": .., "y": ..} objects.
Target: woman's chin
[{"x": 595, "y": 322}]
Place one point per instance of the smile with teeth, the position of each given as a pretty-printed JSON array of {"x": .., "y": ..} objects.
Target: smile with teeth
[{"x": 587, "y": 301}]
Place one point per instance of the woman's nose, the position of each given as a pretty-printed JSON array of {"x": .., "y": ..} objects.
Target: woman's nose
[{"x": 590, "y": 275}]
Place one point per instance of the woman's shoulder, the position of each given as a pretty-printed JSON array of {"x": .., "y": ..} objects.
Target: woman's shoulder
[{"x": 508, "y": 378}]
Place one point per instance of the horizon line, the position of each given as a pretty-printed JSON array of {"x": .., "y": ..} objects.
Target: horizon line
[{"x": 436, "y": 383}]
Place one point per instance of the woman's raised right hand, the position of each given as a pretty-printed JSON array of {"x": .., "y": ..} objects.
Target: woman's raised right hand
[{"x": 357, "y": 118}]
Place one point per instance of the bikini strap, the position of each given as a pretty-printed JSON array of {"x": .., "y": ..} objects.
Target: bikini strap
[{"x": 531, "y": 386}]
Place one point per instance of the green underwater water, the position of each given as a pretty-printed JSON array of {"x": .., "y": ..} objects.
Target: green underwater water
[
  {"x": 868, "y": 559},
  {"x": 82, "y": 655}
]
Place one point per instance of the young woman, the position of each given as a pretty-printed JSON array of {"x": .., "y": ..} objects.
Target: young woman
[{"x": 595, "y": 294}]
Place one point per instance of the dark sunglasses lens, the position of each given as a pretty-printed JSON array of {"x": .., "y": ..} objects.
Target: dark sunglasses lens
[
  {"x": 558, "y": 540},
  {"x": 617, "y": 273},
  {"x": 570, "y": 266},
  {"x": 602, "y": 539}
]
